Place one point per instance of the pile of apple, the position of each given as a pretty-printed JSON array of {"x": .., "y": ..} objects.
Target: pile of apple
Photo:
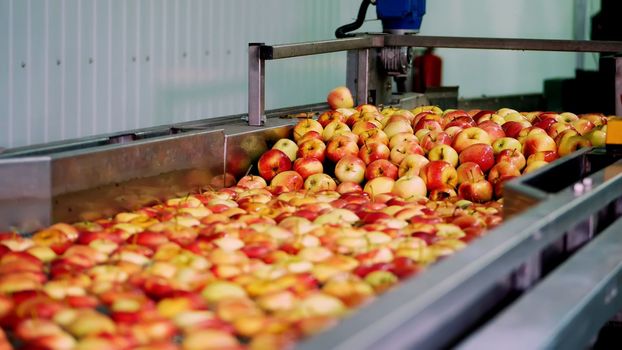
[{"x": 358, "y": 200}]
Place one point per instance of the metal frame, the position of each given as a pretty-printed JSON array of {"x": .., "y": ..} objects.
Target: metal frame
[
  {"x": 548, "y": 318},
  {"x": 455, "y": 294},
  {"x": 259, "y": 53}
]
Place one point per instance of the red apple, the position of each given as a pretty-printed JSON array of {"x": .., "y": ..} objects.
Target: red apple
[
  {"x": 333, "y": 129},
  {"x": 251, "y": 181},
  {"x": 438, "y": 174},
  {"x": 501, "y": 170},
  {"x": 306, "y": 125},
  {"x": 349, "y": 187},
  {"x": 374, "y": 151},
  {"x": 374, "y": 135},
  {"x": 478, "y": 192},
  {"x": 309, "y": 136},
  {"x": 547, "y": 156},
  {"x": 469, "y": 172},
  {"x": 538, "y": 142},
  {"x": 340, "y": 97},
  {"x": 330, "y": 116},
  {"x": 435, "y": 138},
  {"x": 511, "y": 129},
  {"x": 470, "y": 136},
  {"x": 513, "y": 157},
  {"x": 272, "y": 163},
  {"x": 350, "y": 169},
  {"x": 480, "y": 153},
  {"x": 381, "y": 168},
  {"x": 494, "y": 130},
  {"x": 313, "y": 148},
  {"x": 308, "y": 166},
  {"x": 340, "y": 147},
  {"x": 402, "y": 150}
]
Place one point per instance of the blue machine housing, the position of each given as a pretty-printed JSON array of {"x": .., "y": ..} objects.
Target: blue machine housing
[{"x": 400, "y": 16}]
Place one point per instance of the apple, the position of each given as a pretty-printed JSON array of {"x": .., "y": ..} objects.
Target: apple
[
  {"x": 477, "y": 192},
  {"x": 597, "y": 137},
  {"x": 379, "y": 185},
  {"x": 401, "y": 137},
  {"x": 251, "y": 181},
  {"x": 313, "y": 148},
  {"x": 395, "y": 127},
  {"x": 533, "y": 166},
  {"x": 538, "y": 142},
  {"x": 272, "y": 163},
  {"x": 499, "y": 185},
  {"x": 504, "y": 143},
  {"x": 568, "y": 117},
  {"x": 571, "y": 144},
  {"x": 412, "y": 164},
  {"x": 306, "y": 125},
  {"x": 479, "y": 153},
  {"x": 402, "y": 150},
  {"x": 410, "y": 187},
  {"x": 434, "y": 138},
  {"x": 512, "y": 129},
  {"x": 381, "y": 168},
  {"x": 320, "y": 182},
  {"x": 547, "y": 156},
  {"x": 505, "y": 111},
  {"x": 444, "y": 152},
  {"x": 364, "y": 125},
  {"x": 308, "y": 136},
  {"x": 460, "y": 121},
  {"x": 545, "y": 123},
  {"x": 427, "y": 108},
  {"x": 374, "y": 151},
  {"x": 442, "y": 193},
  {"x": 367, "y": 108},
  {"x": 334, "y": 128},
  {"x": 330, "y": 116},
  {"x": 557, "y": 128},
  {"x": 502, "y": 169},
  {"x": 513, "y": 117},
  {"x": 583, "y": 126},
  {"x": 339, "y": 147},
  {"x": 469, "y": 172},
  {"x": 374, "y": 135},
  {"x": 470, "y": 136},
  {"x": 482, "y": 115},
  {"x": 349, "y": 187},
  {"x": 596, "y": 119},
  {"x": 308, "y": 166},
  {"x": 513, "y": 157},
  {"x": 288, "y": 147},
  {"x": 340, "y": 97},
  {"x": 494, "y": 130},
  {"x": 393, "y": 118},
  {"x": 350, "y": 169},
  {"x": 438, "y": 174},
  {"x": 429, "y": 124}
]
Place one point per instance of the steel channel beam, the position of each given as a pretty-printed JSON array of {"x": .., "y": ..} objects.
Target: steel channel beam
[
  {"x": 503, "y": 43},
  {"x": 275, "y": 52},
  {"x": 430, "y": 311},
  {"x": 566, "y": 309},
  {"x": 256, "y": 86}
]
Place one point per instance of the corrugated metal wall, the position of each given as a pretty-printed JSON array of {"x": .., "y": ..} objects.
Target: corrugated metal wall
[{"x": 71, "y": 68}]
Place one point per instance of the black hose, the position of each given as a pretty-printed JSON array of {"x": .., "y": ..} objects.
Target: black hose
[{"x": 342, "y": 32}]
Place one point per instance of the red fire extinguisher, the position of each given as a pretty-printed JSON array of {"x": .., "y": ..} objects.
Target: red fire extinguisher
[{"x": 428, "y": 70}]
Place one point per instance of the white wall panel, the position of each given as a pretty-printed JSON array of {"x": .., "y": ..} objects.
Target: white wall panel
[{"x": 72, "y": 68}]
